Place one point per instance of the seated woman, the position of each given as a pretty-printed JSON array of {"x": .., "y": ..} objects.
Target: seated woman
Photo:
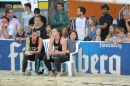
[
  {"x": 112, "y": 31},
  {"x": 73, "y": 35},
  {"x": 48, "y": 31},
  {"x": 71, "y": 42},
  {"x": 65, "y": 32},
  {"x": 34, "y": 51},
  {"x": 59, "y": 54},
  {"x": 93, "y": 28}
]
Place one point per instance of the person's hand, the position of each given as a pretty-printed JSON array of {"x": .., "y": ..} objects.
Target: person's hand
[
  {"x": 119, "y": 41},
  {"x": 26, "y": 53},
  {"x": 128, "y": 20},
  {"x": 21, "y": 39},
  {"x": 63, "y": 22},
  {"x": 2, "y": 26},
  {"x": 48, "y": 54},
  {"x": 17, "y": 38},
  {"x": 52, "y": 52},
  {"x": 31, "y": 52},
  {"x": 5, "y": 26},
  {"x": 114, "y": 41}
]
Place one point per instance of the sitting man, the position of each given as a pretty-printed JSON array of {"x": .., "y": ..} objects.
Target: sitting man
[{"x": 7, "y": 30}]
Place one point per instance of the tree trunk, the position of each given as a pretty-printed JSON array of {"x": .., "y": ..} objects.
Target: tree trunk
[{"x": 52, "y": 8}]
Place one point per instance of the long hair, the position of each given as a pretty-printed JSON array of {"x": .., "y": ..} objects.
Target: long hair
[
  {"x": 114, "y": 34},
  {"x": 73, "y": 31}
]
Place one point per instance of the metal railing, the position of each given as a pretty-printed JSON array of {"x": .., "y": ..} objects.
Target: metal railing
[{"x": 126, "y": 7}]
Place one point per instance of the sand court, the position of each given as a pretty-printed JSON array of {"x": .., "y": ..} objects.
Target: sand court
[{"x": 8, "y": 78}]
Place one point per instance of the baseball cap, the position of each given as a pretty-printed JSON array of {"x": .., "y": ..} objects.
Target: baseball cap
[{"x": 36, "y": 10}]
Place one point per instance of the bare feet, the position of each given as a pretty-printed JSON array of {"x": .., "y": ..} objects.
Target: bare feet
[
  {"x": 51, "y": 74},
  {"x": 36, "y": 74},
  {"x": 58, "y": 74},
  {"x": 23, "y": 74}
]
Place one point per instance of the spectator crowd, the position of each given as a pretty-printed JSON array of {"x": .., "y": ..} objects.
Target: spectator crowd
[{"x": 62, "y": 28}]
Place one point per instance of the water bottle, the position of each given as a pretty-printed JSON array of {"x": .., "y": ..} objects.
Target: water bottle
[
  {"x": 46, "y": 72},
  {"x": 48, "y": 57}
]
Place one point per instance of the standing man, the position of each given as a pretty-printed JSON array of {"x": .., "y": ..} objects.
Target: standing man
[
  {"x": 27, "y": 16},
  {"x": 105, "y": 21},
  {"x": 37, "y": 13},
  {"x": 7, "y": 30},
  {"x": 79, "y": 24},
  {"x": 60, "y": 18}
]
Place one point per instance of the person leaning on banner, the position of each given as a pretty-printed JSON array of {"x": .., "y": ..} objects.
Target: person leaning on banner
[
  {"x": 21, "y": 35},
  {"x": 60, "y": 18},
  {"x": 37, "y": 13},
  {"x": 6, "y": 30},
  {"x": 119, "y": 38},
  {"x": 7, "y": 7}
]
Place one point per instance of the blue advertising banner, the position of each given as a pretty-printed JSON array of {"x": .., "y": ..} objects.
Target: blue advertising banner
[
  {"x": 92, "y": 57},
  {"x": 104, "y": 57},
  {"x": 10, "y": 52}
]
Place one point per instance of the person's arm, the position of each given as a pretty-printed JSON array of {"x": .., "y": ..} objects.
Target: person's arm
[
  {"x": 111, "y": 40},
  {"x": 1, "y": 29},
  {"x": 123, "y": 40},
  {"x": 54, "y": 22},
  {"x": 104, "y": 25},
  {"x": 39, "y": 47},
  {"x": 64, "y": 47},
  {"x": 16, "y": 37},
  {"x": 127, "y": 24},
  {"x": 51, "y": 45},
  {"x": 86, "y": 32},
  {"x": 98, "y": 32},
  {"x": 107, "y": 22},
  {"x": 27, "y": 44},
  {"x": 9, "y": 34}
]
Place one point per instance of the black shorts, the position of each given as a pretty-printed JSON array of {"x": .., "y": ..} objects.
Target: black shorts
[{"x": 33, "y": 57}]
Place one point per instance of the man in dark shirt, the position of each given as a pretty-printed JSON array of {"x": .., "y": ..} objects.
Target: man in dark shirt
[
  {"x": 37, "y": 13},
  {"x": 105, "y": 21},
  {"x": 124, "y": 22}
]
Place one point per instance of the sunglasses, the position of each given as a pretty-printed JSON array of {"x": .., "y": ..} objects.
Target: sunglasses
[{"x": 36, "y": 12}]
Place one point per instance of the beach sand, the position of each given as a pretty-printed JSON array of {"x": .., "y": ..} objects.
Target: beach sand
[{"x": 9, "y": 78}]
